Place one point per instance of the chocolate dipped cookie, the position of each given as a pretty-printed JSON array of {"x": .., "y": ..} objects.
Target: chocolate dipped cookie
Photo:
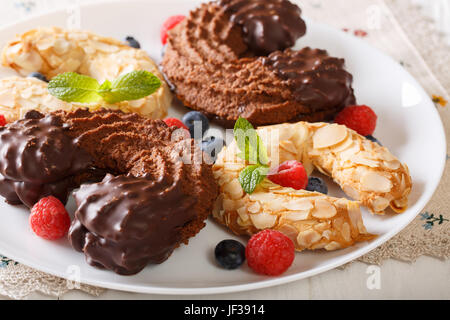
[
  {"x": 144, "y": 189},
  {"x": 234, "y": 58}
]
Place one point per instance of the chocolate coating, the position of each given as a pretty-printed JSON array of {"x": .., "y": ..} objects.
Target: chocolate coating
[
  {"x": 267, "y": 25},
  {"x": 317, "y": 80},
  {"x": 40, "y": 159},
  {"x": 123, "y": 223}
]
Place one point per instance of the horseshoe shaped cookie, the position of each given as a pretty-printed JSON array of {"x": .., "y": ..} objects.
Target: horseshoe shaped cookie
[
  {"x": 52, "y": 51},
  {"x": 233, "y": 58},
  {"x": 150, "y": 201},
  {"x": 366, "y": 171}
]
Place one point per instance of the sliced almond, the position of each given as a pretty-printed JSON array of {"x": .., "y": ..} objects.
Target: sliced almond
[
  {"x": 321, "y": 227},
  {"x": 380, "y": 203},
  {"x": 70, "y": 65},
  {"x": 347, "y": 143},
  {"x": 300, "y": 204},
  {"x": 399, "y": 205},
  {"x": 297, "y": 215},
  {"x": 392, "y": 165},
  {"x": 243, "y": 223},
  {"x": 351, "y": 192},
  {"x": 242, "y": 212},
  {"x": 218, "y": 174},
  {"x": 61, "y": 46},
  {"x": 7, "y": 99},
  {"x": 104, "y": 47},
  {"x": 386, "y": 155},
  {"x": 30, "y": 62},
  {"x": 327, "y": 234},
  {"x": 318, "y": 245},
  {"x": 333, "y": 246},
  {"x": 368, "y": 145},
  {"x": 354, "y": 214},
  {"x": 255, "y": 207},
  {"x": 275, "y": 205},
  {"x": 329, "y": 136},
  {"x": 233, "y": 166},
  {"x": 44, "y": 43},
  {"x": 349, "y": 152},
  {"x": 289, "y": 231},
  {"x": 402, "y": 182},
  {"x": 234, "y": 189},
  {"x": 372, "y": 181},
  {"x": 308, "y": 237},
  {"x": 229, "y": 205},
  {"x": 342, "y": 203},
  {"x": 263, "y": 220},
  {"x": 346, "y": 232},
  {"x": 323, "y": 210},
  {"x": 288, "y": 146},
  {"x": 364, "y": 159},
  {"x": 262, "y": 196}
]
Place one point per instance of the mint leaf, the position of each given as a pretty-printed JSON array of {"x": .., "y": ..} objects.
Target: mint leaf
[
  {"x": 130, "y": 86},
  {"x": 253, "y": 151},
  {"x": 249, "y": 143},
  {"x": 74, "y": 87},
  {"x": 105, "y": 87},
  {"x": 251, "y": 176},
  {"x": 243, "y": 124}
]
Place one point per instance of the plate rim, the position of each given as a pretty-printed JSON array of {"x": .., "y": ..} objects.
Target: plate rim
[{"x": 270, "y": 282}]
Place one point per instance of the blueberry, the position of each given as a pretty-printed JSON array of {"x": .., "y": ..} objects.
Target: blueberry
[
  {"x": 373, "y": 139},
  {"x": 230, "y": 254},
  {"x": 38, "y": 75},
  {"x": 197, "y": 124},
  {"x": 132, "y": 42},
  {"x": 212, "y": 146},
  {"x": 316, "y": 184}
]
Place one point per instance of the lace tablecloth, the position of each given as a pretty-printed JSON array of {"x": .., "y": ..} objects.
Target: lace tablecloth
[{"x": 397, "y": 27}]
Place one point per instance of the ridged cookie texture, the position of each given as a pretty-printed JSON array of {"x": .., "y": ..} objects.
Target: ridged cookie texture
[
  {"x": 366, "y": 171},
  {"x": 52, "y": 51},
  {"x": 213, "y": 70}
]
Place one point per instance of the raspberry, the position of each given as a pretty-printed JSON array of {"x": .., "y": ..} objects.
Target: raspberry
[
  {"x": 2, "y": 120},
  {"x": 362, "y": 119},
  {"x": 171, "y": 122},
  {"x": 49, "y": 218},
  {"x": 290, "y": 174},
  {"x": 270, "y": 252},
  {"x": 170, "y": 23}
]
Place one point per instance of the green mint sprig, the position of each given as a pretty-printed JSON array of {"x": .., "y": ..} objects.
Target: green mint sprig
[
  {"x": 254, "y": 152},
  {"x": 74, "y": 87}
]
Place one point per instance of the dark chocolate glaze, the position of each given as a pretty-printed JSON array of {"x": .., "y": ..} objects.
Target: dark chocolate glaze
[
  {"x": 317, "y": 80},
  {"x": 125, "y": 222},
  {"x": 38, "y": 159},
  {"x": 267, "y": 25}
]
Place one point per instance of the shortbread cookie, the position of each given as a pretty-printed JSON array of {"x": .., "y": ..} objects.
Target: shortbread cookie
[{"x": 52, "y": 51}]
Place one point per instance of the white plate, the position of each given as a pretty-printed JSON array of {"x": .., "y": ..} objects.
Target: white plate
[{"x": 408, "y": 125}]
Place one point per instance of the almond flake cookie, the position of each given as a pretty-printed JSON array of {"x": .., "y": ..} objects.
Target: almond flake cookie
[
  {"x": 52, "y": 51},
  {"x": 366, "y": 171}
]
